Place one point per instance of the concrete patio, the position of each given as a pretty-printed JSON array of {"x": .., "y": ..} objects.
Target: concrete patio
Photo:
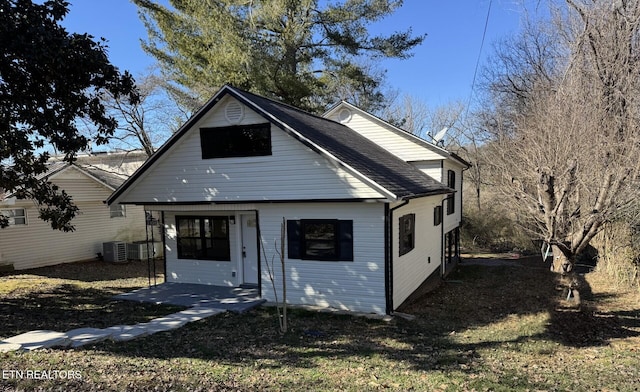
[{"x": 233, "y": 299}]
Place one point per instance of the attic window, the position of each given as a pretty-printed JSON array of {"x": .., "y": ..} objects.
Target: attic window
[
  {"x": 234, "y": 112},
  {"x": 236, "y": 141},
  {"x": 344, "y": 116}
]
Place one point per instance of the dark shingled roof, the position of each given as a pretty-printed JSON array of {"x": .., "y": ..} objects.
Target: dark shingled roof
[{"x": 381, "y": 166}]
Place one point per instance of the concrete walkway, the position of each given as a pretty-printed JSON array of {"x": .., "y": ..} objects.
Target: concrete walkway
[
  {"x": 233, "y": 299},
  {"x": 34, "y": 340},
  {"x": 203, "y": 301}
]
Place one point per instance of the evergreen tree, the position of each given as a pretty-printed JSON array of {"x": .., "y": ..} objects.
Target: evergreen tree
[{"x": 299, "y": 51}]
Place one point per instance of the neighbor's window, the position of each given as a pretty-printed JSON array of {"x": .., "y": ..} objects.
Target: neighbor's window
[
  {"x": 236, "y": 141},
  {"x": 16, "y": 216},
  {"x": 320, "y": 239},
  {"x": 117, "y": 211},
  {"x": 407, "y": 233},
  {"x": 203, "y": 237}
]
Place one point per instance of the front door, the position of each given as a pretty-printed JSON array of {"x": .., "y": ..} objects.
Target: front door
[{"x": 249, "y": 249}]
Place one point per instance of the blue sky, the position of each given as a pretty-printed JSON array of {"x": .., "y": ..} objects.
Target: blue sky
[{"x": 440, "y": 71}]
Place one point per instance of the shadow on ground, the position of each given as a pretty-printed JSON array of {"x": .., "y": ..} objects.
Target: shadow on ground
[
  {"x": 475, "y": 296},
  {"x": 96, "y": 271}
]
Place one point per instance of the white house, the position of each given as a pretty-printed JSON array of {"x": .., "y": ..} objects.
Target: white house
[
  {"x": 364, "y": 203},
  {"x": 30, "y": 242}
]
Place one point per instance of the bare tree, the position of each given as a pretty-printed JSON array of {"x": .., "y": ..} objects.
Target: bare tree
[
  {"x": 149, "y": 122},
  {"x": 568, "y": 142}
]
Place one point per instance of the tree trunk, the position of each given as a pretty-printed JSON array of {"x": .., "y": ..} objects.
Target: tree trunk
[{"x": 562, "y": 263}]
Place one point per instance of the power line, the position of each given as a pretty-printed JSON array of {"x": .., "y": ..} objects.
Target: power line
[{"x": 475, "y": 72}]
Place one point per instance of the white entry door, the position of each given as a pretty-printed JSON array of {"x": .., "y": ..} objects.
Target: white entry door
[{"x": 249, "y": 249}]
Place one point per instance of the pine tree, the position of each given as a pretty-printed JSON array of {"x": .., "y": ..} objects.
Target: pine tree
[{"x": 298, "y": 51}]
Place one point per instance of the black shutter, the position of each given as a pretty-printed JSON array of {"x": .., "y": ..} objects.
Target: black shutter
[
  {"x": 293, "y": 239},
  {"x": 345, "y": 240}
]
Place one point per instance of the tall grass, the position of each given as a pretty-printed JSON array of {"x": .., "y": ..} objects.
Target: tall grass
[{"x": 618, "y": 249}]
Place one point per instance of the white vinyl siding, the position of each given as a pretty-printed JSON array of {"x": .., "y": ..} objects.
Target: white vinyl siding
[
  {"x": 431, "y": 168},
  {"x": 356, "y": 285},
  {"x": 211, "y": 272},
  {"x": 292, "y": 172},
  {"x": 82, "y": 187},
  {"x": 38, "y": 245},
  {"x": 404, "y": 146},
  {"x": 411, "y": 269}
]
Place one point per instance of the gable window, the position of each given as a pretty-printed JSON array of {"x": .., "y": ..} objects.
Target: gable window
[
  {"x": 17, "y": 216},
  {"x": 236, "y": 141},
  {"x": 407, "y": 233},
  {"x": 320, "y": 239},
  {"x": 203, "y": 237},
  {"x": 117, "y": 211},
  {"x": 437, "y": 215}
]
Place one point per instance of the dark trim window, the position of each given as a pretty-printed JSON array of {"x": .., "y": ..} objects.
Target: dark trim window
[
  {"x": 236, "y": 141},
  {"x": 203, "y": 237},
  {"x": 451, "y": 179},
  {"x": 451, "y": 205},
  {"x": 407, "y": 233},
  {"x": 437, "y": 215},
  {"x": 451, "y": 200},
  {"x": 320, "y": 239}
]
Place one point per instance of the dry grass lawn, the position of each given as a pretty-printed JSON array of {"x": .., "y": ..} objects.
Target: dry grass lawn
[{"x": 490, "y": 328}]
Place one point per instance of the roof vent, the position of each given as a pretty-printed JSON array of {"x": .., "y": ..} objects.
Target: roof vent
[
  {"x": 234, "y": 112},
  {"x": 344, "y": 116}
]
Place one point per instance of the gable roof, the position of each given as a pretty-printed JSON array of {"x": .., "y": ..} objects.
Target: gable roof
[
  {"x": 110, "y": 180},
  {"x": 336, "y": 142},
  {"x": 407, "y": 135}
]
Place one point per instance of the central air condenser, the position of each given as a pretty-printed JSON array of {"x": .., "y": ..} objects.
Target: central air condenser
[{"x": 114, "y": 251}]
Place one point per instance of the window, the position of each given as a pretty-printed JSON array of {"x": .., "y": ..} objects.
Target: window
[
  {"x": 451, "y": 179},
  {"x": 320, "y": 239},
  {"x": 451, "y": 204},
  {"x": 236, "y": 141},
  {"x": 407, "y": 233},
  {"x": 203, "y": 237},
  {"x": 437, "y": 215},
  {"x": 451, "y": 200},
  {"x": 16, "y": 216},
  {"x": 117, "y": 211}
]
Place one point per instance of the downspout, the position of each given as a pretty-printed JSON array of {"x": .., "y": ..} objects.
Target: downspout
[
  {"x": 443, "y": 267},
  {"x": 388, "y": 256},
  {"x": 258, "y": 244},
  {"x": 164, "y": 244}
]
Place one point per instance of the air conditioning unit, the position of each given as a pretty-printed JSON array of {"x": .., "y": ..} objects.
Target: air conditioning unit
[
  {"x": 138, "y": 250},
  {"x": 114, "y": 251}
]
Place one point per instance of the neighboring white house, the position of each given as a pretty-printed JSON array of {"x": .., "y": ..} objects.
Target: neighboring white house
[
  {"x": 365, "y": 220},
  {"x": 30, "y": 242}
]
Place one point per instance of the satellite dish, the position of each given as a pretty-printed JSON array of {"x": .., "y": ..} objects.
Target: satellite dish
[{"x": 440, "y": 135}]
